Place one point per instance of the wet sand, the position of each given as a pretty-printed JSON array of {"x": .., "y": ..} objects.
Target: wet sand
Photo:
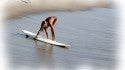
[
  {"x": 91, "y": 34},
  {"x": 16, "y": 8}
]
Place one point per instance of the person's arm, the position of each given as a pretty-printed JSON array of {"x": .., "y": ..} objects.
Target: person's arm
[
  {"x": 37, "y": 34},
  {"x": 41, "y": 29}
]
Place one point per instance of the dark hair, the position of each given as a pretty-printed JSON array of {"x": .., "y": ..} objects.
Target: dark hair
[{"x": 43, "y": 22}]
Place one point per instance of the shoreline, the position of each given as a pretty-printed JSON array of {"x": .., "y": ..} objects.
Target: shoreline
[{"x": 17, "y": 8}]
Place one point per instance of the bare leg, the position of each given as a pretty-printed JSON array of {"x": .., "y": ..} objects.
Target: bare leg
[
  {"x": 52, "y": 29},
  {"x": 53, "y": 33},
  {"x": 46, "y": 33},
  {"x": 54, "y": 23}
]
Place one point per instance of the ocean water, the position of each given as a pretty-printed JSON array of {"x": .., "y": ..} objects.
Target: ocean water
[{"x": 92, "y": 35}]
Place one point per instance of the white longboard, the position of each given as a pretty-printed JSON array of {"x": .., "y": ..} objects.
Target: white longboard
[{"x": 32, "y": 35}]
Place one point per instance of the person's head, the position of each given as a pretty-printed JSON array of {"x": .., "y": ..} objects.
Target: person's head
[
  {"x": 43, "y": 22},
  {"x": 42, "y": 25}
]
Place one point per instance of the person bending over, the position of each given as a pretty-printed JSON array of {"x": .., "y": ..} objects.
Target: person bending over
[{"x": 48, "y": 22}]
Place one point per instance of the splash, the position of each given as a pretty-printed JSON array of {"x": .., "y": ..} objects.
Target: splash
[{"x": 17, "y": 8}]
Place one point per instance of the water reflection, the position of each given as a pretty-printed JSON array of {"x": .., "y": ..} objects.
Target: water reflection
[{"x": 45, "y": 53}]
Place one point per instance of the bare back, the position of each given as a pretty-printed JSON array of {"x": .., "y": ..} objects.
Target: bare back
[{"x": 51, "y": 20}]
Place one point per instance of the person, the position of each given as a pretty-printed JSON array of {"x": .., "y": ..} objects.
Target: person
[{"x": 48, "y": 22}]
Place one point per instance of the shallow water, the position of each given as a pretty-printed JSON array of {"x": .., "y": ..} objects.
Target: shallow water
[{"x": 91, "y": 34}]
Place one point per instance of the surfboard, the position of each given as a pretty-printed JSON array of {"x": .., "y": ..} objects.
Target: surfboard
[{"x": 32, "y": 35}]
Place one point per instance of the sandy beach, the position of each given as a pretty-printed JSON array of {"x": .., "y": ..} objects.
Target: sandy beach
[
  {"x": 92, "y": 35},
  {"x": 16, "y": 8}
]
